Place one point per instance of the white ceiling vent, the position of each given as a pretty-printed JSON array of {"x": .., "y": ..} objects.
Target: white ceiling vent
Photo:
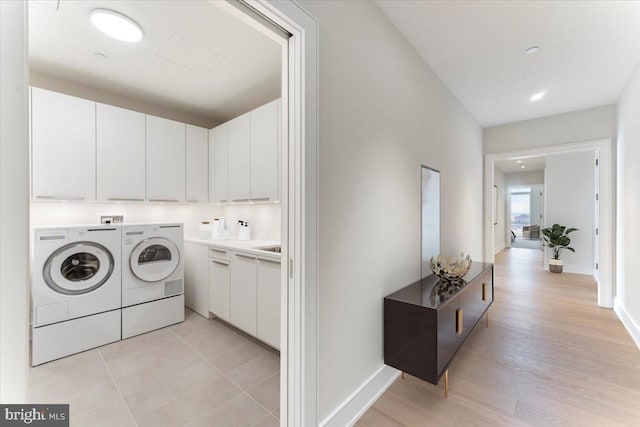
[{"x": 189, "y": 54}]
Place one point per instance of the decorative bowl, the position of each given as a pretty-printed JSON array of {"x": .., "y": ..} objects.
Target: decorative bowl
[{"x": 450, "y": 267}]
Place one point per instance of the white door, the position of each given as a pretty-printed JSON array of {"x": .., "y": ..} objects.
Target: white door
[
  {"x": 219, "y": 288},
  {"x": 243, "y": 297},
  {"x": 120, "y": 145},
  {"x": 268, "y": 319},
  {"x": 165, "y": 160},
  {"x": 239, "y": 137},
  {"x": 219, "y": 175},
  {"x": 264, "y": 152},
  {"x": 196, "y": 278},
  {"x": 63, "y": 138},
  {"x": 197, "y": 152}
]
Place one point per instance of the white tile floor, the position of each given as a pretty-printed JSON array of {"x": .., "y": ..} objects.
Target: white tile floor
[{"x": 197, "y": 373}]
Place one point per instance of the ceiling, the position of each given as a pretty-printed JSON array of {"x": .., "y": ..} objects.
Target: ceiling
[
  {"x": 512, "y": 166},
  {"x": 588, "y": 50},
  {"x": 194, "y": 57}
]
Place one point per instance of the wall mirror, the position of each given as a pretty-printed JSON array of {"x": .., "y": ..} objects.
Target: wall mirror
[{"x": 430, "y": 217}]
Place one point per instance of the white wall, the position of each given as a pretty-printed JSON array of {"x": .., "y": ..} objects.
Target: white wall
[
  {"x": 577, "y": 126},
  {"x": 524, "y": 178},
  {"x": 628, "y": 206},
  {"x": 570, "y": 201},
  {"x": 383, "y": 113},
  {"x": 263, "y": 218},
  {"x": 500, "y": 231}
]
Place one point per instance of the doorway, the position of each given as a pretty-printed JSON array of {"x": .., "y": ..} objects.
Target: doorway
[
  {"x": 593, "y": 204},
  {"x": 298, "y": 202}
]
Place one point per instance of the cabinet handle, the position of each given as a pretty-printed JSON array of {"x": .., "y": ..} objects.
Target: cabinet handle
[
  {"x": 459, "y": 321},
  {"x": 484, "y": 292},
  {"x": 164, "y": 200},
  {"x": 246, "y": 256},
  {"x": 260, "y": 199},
  {"x": 223, "y": 201},
  {"x": 240, "y": 200},
  {"x": 226, "y": 264},
  {"x": 220, "y": 251},
  {"x": 47, "y": 197},
  {"x": 274, "y": 261},
  {"x": 192, "y": 201},
  {"x": 124, "y": 199}
]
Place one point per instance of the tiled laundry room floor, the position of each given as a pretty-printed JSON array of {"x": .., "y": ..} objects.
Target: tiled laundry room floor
[{"x": 197, "y": 373}]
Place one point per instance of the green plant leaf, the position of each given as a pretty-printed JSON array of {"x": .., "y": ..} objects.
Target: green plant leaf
[{"x": 570, "y": 230}]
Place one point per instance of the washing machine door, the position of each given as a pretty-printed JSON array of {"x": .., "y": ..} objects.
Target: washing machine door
[
  {"x": 78, "y": 268},
  {"x": 154, "y": 259}
]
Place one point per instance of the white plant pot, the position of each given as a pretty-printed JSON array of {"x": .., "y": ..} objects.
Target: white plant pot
[{"x": 555, "y": 265}]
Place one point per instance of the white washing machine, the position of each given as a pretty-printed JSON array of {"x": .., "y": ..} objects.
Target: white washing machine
[
  {"x": 75, "y": 290},
  {"x": 152, "y": 277}
]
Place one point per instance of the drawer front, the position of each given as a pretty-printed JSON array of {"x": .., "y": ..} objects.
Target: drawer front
[
  {"x": 451, "y": 329},
  {"x": 218, "y": 253}
]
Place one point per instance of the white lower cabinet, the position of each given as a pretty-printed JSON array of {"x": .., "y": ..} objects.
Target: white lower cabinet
[
  {"x": 269, "y": 301},
  {"x": 219, "y": 285},
  {"x": 196, "y": 278},
  {"x": 243, "y": 275}
]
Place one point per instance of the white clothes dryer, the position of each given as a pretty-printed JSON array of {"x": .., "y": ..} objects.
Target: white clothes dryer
[
  {"x": 152, "y": 277},
  {"x": 75, "y": 291}
]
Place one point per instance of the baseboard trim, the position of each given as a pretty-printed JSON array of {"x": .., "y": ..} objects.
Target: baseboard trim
[
  {"x": 630, "y": 325},
  {"x": 498, "y": 249},
  {"x": 347, "y": 413}
]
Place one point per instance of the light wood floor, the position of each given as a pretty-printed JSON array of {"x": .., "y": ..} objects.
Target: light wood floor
[{"x": 550, "y": 357}]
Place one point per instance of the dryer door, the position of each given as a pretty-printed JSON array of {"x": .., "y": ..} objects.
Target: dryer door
[
  {"x": 154, "y": 259},
  {"x": 78, "y": 268}
]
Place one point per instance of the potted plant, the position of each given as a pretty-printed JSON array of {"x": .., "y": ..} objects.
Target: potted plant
[{"x": 557, "y": 239}]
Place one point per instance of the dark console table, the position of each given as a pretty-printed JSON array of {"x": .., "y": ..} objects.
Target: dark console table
[{"x": 426, "y": 323}]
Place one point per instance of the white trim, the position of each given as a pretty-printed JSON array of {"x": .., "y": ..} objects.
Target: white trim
[
  {"x": 606, "y": 192},
  {"x": 630, "y": 325},
  {"x": 358, "y": 402},
  {"x": 14, "y": 202},
  {"x": 498, "y": 248}
]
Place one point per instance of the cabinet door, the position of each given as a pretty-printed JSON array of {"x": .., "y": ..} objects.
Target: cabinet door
[
  {"x": 120, "y": 145},
  {"x": 196, "y": 278},
  {"x": 165, "y": 160},
  {"x": 243, "y": 281},
  {"x": 63, "y": 132},
  {"x": 219, "y": 286},
  {"x": 239, "y": 137},
  {"x": 197, "y": 152},
  {"x": 450, "y": 330},
  {"x": 269, "y": 301},
  {"x": 219, "y": 151},
  {"x": 264, "y": 152}
]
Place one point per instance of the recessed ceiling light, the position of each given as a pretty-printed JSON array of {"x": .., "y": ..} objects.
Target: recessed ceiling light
[
  {"x": 518, "y": 161},
  {"x": 522, "y": 167},
  {"x": 116, "y": 25},
  {"x": 532, "y": 49},
  {"x": 536, "y": 96}
]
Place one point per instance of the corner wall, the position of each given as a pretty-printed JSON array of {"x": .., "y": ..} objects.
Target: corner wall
[
  {"x": 627, "y": 302},
  {"x": 383, "y": 113}
]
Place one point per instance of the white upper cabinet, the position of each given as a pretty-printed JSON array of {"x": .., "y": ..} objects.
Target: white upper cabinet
[
  {"x": 219, "y": 164},
  {"x": 120, "y": 145},
  {"x": 239, "y": 139},
  {"x": 63, "y": 136},
  {"x": 197, "y": 164},
  {"x": 264, "y": 151},
  {"x": 165, "y": 160}
]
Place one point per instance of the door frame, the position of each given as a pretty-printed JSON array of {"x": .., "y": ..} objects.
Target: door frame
[
  {"x": 602, "y": 148},
  {"x": 299, "y": 205}
]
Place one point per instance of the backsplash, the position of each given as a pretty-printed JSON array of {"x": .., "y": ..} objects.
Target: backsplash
[{"x": 264, "y": 219}]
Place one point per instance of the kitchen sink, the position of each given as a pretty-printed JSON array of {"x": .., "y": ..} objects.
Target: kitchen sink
[{"x": 275, "y": 249}]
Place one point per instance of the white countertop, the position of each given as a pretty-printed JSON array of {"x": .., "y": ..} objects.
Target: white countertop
[{"x": 241, "y": 245}]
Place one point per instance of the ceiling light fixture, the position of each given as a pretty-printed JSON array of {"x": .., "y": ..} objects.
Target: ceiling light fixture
[
  {"x": 522, "y": 167},
  {"x": 518, "y": 161},
  {"x": 116, "y": 25},
  {"x": 532, "y": 50},
  {"x": 536, "y": 96}
]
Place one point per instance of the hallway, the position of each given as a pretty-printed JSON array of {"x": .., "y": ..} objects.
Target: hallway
[{"x": 550, "y": 357}]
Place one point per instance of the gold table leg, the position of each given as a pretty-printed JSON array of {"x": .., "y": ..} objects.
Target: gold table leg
[
  {"x": 486, "y": 319},
  {"x": 446, "y": 384},
  {"x": 402, "y": 375}
]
